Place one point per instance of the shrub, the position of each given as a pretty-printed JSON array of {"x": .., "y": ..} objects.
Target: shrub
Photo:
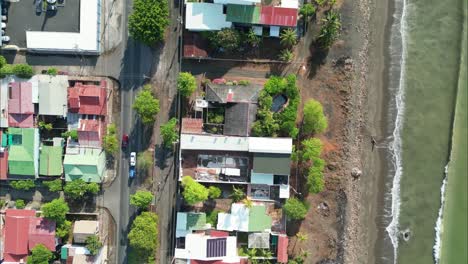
[
  {"x": 315, "y": 180},
  {"x": 20, "y": 204},
  {"x": 145, "y": 161},
  {"x": 288, "y": 37},
  {"x": 6, "y": 70},
  {"x": 63, "y": 229},
  {"x": 78, "y": 188},
  {"x": 186, "y": 84},
  {"x": 93, "y": 244},
  {"x": 295, "y": 209},
  {"x": 237, "y": 194},
  {"x": 314, "y": 118},
  {"x": 23, "y": 70},
  {"x": 169, "y": 132},
  {"x": 52, "y": 71},
  {"x": 307, "y": 10},
  {"x": 253, "y": 39},
  {"x": 141, "y": 199},
  {"x": 23, "y": 185},
  {"x": 110, "y": 143},
  {"x": 193, "y": 192},
  {"x": 39, "y": 255},
  {"x": 149, "y": 20},
  {"x": 3, "y": 61},
  {"x": 286, "y": 55},
  {"x": 212, "y": 217},
  {"x": 311, "y": 148},
  {"x": 43, "y": 125},
  {"x": 244, "y": 82},
  {"x": 214, "y": 192},
  {"x": 73, "y": 134}
]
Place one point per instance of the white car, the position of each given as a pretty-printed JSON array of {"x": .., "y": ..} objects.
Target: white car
[
  {"x": 3, "y": 25},
  {"x": 133, "y": 159},
  {"x": 5, "y": 39}
]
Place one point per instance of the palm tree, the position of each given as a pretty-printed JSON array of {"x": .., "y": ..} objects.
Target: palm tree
[
  {"x": 248, "y": 202},
  {"x": 286, "y": 55},
  {"x": 288, "y": 37},
  {"x": 301, "y": 236},
  {"x": 253, "y": 39},
  {"x": 237, "y": 194},
  {"x": 330, "y": 29}
]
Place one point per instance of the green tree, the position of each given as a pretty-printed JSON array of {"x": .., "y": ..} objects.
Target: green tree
[
  {"x": 227, "y": 39},
  {"x": 307, "y": 10},
  {"x": 43, "y": 125},
  {"x": 52, "y": 71},
  {"x": 311, "y": 148},
  {"x": 214, "y": 192},
  {"x": 110, "y": 143},
  {"x": 55, "y": 210},
  {"x": 330, "y": 29},
  {"x": 314, "y": 118},
  {"x": 288, "y": 37},
  {"x": 54, "y": 186},
  {"x": 39, "y": 255},
  {"x": 141, "y": 199},
  {"x": 193, "y": 192},
  {"x": 237, "y": 194},
  {"x": 253, "y": 39},
  {"x": 315, "y": 180},
  {"x": 3, "y": 61},
  {"x": 63, "y": 229},
  {"x": 320, "y": 2},
  {"x": 19, "y": 204},
  {"x": 93, "y": 244},
  {"x": 295, "y": 209},
  {"x": 22, "y": 185},
  {"x": 143, "y": 236},
  {"x": 78, "y": 188},
  {"x": 169, "y": 132},
  {"x": 186, "y": 84},
  {"x": 6, "y": 70},
  {"x": 149, "y": 20},
  {"x": 212, "y": 217},
  {"x": 146, "y": 105},
  {"x": 71, "y": 133},
  {"x": 286, "y": 55},
  {"x": 23, "y": 70}
]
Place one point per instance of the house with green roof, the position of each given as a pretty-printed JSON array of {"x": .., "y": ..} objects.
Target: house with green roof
[
  {"x": 245, "y": 219},
  {"x": 50, "y": 158},
  {"x": 23, "y": 152},
  {"x": 187, "y": 222},
  {"x": 87, "y": 164}
]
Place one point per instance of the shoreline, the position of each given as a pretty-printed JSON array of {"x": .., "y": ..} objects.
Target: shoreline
[{"x": 366, "y": 196}]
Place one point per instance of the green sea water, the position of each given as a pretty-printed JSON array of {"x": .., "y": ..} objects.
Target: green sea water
[
  {"x": 454, "y": 236},
  {"x": 433, "y": 33}
]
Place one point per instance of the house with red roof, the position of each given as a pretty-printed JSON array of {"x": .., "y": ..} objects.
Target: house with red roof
[
  {"x": 22, "y": 232},
  {"x": 90, "y": 132},
  {"x": 88, "y": 99},
  {"x": 20, "y": 105}
]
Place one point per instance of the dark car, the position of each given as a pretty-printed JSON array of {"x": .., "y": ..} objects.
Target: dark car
[{"x": 124, "y": 140}]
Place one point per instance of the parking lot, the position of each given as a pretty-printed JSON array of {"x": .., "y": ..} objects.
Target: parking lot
[{"x": 22, "y": 16}]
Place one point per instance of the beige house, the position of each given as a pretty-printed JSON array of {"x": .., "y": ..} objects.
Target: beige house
[{"x": 83, "y": 229}]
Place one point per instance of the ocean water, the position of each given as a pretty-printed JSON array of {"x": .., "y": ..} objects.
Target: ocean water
[{"x": 424, "y": 68}]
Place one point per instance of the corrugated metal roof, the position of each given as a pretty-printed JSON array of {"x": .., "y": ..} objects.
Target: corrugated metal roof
[
  {"x": 88, "y": 165},
  {"x": 20, "y": 105},
  {"x": 246, "y": 14},
  {"x": 192, "y": 125},
  {"x": 22, "y": 151},
  {"x": 278, "y": 16},
  {"x": 88, "y": 99},
  {"x": 270, "y": 145},
  {"x": 41, "y": 231},
  {"x": 259, "y": 221},
  {"x": 53, "y": 95},
  {"x": 205, "y": 17},
  {"x": 207, "y": 142},
  {"x": 282, "y": 254},
  {"x": 90, "y": 132},
  {"x": 50, "y": 160},
  {"x": 277, "y": 164}
]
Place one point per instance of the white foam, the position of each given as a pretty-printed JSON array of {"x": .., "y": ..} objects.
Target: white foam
[
  {"x": 395, "y": 147},
  {"x": 438, "y": 226}
]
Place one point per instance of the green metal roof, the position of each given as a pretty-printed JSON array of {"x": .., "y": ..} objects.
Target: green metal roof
[
  {"x": 88, "y": 165},
  {"x": 247, "y": 14},
  {"x": 50, "y": 161},
  {"x": 277, "y": 164},
  {"x": 22, "y": 158},
  {"x": 259, "y": 221}
]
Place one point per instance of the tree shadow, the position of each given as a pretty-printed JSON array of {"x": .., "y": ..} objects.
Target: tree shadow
[{"x": 317, "y": 58}]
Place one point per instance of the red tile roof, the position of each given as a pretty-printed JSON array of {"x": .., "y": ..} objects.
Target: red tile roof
[
  {"x": 282, "y": 253},
  {"x": 20, "y": 106},
  {"x": 90, "y": 132},
  {"x": 88, "y": 99},
  {"x": 192, "y": 125},
  {"x": 23, "y": 230},
  {"x": 278, "y": 16}
]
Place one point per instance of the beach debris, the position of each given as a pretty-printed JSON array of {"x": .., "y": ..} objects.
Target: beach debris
[
  {"x": 324, "y": 209},
  {"x": 332, "y": 166},
  {"x": 356, "y": 173},
  {"x": 406, "y": 234}
]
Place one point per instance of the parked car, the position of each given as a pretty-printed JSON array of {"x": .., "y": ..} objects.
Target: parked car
[
  {"x": 4, "y": 18},
  {"x": 3, "y": 25},
  {"x": 131, "y": 172},
  {"x": 5, "y": 38},
  {"x": 124, "y": 140},
  {"x": 132, "y": 159}
]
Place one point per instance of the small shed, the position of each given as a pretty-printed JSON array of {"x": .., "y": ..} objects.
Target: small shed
[{"x": 84, "y": 229}]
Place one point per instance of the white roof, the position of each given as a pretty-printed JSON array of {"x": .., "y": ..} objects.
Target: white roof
[
  {"x": 238, "y": 219},
  {"x": 270, "y": 145},
  {"x": 196, "y": 248},
  {"x": 87, "y": 40},
  {"x": 208, "y": 142},
  {"x": 237, "y": 2},
  {"x": 53, "y": 95},
  {"x": 205, "y": 17},
  {"x": 290, "y": 4},
  {"x": 227, "y": 143}
]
